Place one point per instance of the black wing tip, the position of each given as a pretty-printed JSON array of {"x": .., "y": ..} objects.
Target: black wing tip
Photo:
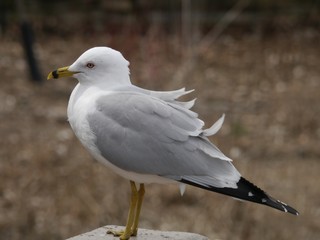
[
  {"x": 286, "y": 208},
  {"x": 250, "y": 192},
  {"x": 279, "y": 205},
  {"x": 264, "y": 198}
]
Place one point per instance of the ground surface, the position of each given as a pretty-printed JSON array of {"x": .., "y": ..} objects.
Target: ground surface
[
  {"x": 143, "y": 234},
  {"x": 50, "y": 188}
]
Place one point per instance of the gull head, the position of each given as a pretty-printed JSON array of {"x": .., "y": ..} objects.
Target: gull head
[{"x": 98, "y": 65}]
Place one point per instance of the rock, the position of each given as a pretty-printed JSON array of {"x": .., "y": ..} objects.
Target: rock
[{"x": 143, "y": 234}]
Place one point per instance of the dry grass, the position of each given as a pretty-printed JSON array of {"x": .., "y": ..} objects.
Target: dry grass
[{"x": 50, "y": 188}]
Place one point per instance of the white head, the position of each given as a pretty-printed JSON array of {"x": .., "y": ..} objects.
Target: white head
[{"x": 101, "y": 65}]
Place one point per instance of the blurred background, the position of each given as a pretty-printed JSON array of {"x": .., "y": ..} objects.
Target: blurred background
[{"x": 257, "y": 61}]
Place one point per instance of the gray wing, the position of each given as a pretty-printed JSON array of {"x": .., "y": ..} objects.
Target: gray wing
[
  {"x": 144, "y": 134},
  {"x": 167, "y": 96}
]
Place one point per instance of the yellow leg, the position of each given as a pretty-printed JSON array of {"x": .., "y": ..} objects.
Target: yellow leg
[
  {"x": 134, "y": 228},
  {"x": 126, "y": 234}
]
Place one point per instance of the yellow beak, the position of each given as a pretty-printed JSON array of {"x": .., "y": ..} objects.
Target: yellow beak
[{"x": 60, "y": 73}]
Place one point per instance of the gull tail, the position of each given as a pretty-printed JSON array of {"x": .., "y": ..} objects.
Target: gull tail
[{"x": 247, "y": 191}]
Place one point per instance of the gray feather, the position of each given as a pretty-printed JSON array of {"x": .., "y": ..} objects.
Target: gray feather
[{"x": 147, "y": 135}]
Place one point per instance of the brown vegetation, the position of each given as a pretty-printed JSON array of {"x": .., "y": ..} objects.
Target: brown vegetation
[{"x": 50, "y": 188}]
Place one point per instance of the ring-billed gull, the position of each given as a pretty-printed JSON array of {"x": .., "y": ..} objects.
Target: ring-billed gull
[{"x": 148, "y": 136}]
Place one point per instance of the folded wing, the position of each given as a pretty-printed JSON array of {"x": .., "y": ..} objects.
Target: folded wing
[{"x": 148, "y": 135}]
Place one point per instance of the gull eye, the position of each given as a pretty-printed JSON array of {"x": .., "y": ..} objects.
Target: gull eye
[{"x": 90, "y": 65}]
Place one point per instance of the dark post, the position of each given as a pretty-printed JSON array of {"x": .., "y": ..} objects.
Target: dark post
[{"x": 27, "y": 41}]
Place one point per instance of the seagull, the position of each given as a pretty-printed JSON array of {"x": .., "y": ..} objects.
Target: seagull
[{"x": 148, "y": 136}]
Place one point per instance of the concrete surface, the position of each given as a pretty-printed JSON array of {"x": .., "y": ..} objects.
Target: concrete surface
[{"x": 143, "y": 234}]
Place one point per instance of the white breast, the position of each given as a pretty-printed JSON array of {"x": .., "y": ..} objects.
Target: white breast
[{"x": 81, "y": 103}]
